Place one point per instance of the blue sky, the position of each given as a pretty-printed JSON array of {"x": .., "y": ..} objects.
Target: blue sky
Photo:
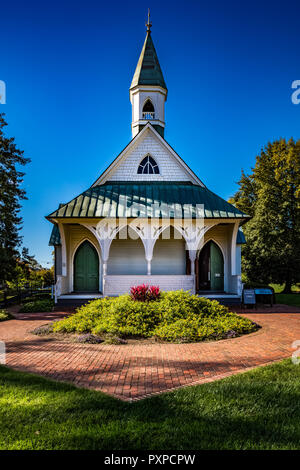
[{"x": 68, "y": 65}]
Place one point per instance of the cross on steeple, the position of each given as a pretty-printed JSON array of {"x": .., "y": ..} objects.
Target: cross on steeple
[{"x": 149, "y": 24}]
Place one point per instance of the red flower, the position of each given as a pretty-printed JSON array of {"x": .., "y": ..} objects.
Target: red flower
[{"x": 144, "y": 293}]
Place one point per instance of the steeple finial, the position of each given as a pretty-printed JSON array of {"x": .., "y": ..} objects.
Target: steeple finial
[{"x": 149, "y": 24}]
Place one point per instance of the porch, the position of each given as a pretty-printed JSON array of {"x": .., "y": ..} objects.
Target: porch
[{"x": 90, "y": 266}]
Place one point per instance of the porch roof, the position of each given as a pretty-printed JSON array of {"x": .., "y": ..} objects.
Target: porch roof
[
  {"x": 240, "y": 239},
  {"x": 55, "y": 236},
  {"x": 173, "y": 200}
]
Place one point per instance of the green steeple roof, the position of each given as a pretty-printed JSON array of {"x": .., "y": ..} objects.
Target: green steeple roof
[{"x": 148, "y": 71}]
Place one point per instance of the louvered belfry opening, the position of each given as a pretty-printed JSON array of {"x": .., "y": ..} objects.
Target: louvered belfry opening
[{"x": 148, "y": 110}]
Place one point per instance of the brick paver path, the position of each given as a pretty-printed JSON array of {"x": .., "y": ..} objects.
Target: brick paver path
[{"x": 132, "y": 372}]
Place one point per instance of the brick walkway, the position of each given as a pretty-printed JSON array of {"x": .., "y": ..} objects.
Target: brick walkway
[{"x": 132, "y": 372}]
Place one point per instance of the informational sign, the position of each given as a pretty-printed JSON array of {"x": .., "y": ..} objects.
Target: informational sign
[
  {"x": 249, "y": 297},
  {"x": 263, "y": 291},
  {"x": 264, "y": 294}
]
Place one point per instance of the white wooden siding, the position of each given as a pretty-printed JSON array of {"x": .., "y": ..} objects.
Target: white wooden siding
[
  {"x": 169, "y": 257},
  {"x": 126, "y": 257}
]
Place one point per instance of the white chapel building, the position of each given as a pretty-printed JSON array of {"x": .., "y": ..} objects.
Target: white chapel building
[{"x": 148, "y": 218}]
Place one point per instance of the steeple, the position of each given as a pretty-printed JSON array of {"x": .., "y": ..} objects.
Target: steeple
[
  {"x": 148, "y": 71},
  {"x": 148, "y": 90}
]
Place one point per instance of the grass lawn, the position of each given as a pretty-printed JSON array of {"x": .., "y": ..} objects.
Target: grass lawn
[
  {"x": 259, "y": 409},
  {"x": 288, "y": 299}
]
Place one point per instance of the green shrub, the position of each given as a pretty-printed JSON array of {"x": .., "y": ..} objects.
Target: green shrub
[
  {"x": 175, "y": 316},
  {"x": 191, "y": 330},
  {"x": 4, "y": 315},
  {"x": 35, "y": 297},
  {"x": 37, "y": 306},
  {"x": 119, "y": 316}
]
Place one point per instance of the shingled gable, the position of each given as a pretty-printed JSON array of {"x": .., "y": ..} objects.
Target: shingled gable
[{"x": 108, "y": 173}]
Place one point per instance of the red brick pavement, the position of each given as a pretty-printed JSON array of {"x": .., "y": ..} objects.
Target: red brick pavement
[{"x": 134, "y": 371}]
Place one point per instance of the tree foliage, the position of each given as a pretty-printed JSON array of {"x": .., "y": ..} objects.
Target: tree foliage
[
  {"x": 11, "y": 194},
  {"x": 271, "y": 195},
  {"x": 29, "y": 260}
]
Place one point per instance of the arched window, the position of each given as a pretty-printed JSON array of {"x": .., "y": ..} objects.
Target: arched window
[
  {"x": 148, "y": 166},
  {"x": 148, "y": 110}
]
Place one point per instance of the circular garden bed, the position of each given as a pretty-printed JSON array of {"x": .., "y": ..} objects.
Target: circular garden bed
[{"x": 175, "y": 316}]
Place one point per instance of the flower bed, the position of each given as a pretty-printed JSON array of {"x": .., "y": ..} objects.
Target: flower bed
[{"x": 175, "y": 316}]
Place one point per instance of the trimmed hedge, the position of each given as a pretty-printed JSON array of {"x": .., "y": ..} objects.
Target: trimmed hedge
[{"x": 176, "y": 316}]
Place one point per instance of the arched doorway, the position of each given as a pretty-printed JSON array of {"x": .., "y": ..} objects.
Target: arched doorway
[
  {"x": 211, "y": 268},
  {"x": 86, "y": 268}
]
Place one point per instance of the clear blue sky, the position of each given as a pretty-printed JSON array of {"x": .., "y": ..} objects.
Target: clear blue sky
[{"x": 68, "y": 65}]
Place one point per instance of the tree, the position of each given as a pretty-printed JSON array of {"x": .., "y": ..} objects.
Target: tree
[
  {"x": 29, "y": 260},
  {"x": 48, "y": 276},
  {"x": 19, "y": 280},
  {"x": 11, "y": 194},
  {"x": 271, "y": 195}
]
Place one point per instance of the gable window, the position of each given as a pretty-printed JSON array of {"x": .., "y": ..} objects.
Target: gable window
[
  {"x": 148, "y": 110},
  {"x": 148, "y": 166}
]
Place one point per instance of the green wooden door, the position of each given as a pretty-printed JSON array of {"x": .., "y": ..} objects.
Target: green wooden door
[
  {"x": 216, "y": 268},
  {"x": 86, "y": 269}
]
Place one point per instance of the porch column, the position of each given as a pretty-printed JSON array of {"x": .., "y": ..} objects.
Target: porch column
[
  {"x": 148, "y": 242},
  {"x": 63, "y": 250},
  {"x": 149, "y": 267},
  {"x": 193, "y": 256},
  {"x": 105, "y": 268},
  {"x": 105, "y": 247},
  {"x": 233, "y": 247},
  {"x": 104, "y": 273}
]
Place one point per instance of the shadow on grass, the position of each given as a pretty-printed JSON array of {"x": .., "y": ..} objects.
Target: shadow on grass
[{"x": 259, "y": 409}]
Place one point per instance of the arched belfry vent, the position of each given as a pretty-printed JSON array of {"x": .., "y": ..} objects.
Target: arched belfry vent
[
  {"x": 148, "y": 166},
  {"x": 148, "y": 110}
]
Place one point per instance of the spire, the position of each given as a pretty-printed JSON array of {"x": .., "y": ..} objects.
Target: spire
[
  {"x": 148, "y": 71},
  {"x": 149, "y": 24}
]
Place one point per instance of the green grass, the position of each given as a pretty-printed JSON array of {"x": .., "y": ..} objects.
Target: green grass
[
  {"x": 288, "y": 299},
  {"x": 259, "y": 409}
]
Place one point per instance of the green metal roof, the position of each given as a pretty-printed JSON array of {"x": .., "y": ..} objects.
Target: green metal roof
[
  {"x": 135, "y": 198},
  {"x": 148, "y": 71},
  {"x": 55, "y": 236},
  {"x": 240, "y": 239}
]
